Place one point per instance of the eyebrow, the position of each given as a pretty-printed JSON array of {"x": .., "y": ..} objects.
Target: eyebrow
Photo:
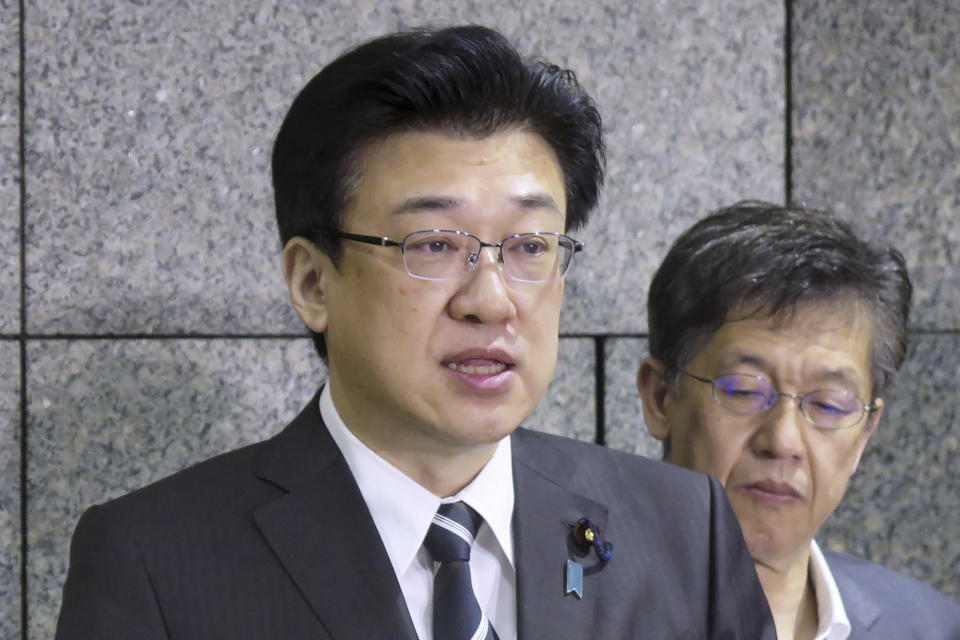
[
  {"x": 427, "y": 203},
  {"x": 847, "y": 375},
  {"x": 445, "y": 203},
  {"x": 739, "y": 357},
  {"x": 536, "y": 201}
]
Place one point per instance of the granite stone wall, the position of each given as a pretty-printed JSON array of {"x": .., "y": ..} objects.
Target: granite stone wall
[{"x": 143, "y": 316}]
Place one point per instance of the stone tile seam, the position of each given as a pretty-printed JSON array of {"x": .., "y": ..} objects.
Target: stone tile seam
[
  {"x": 22, "y": 335},
  {"x": 788, "y": 102}
]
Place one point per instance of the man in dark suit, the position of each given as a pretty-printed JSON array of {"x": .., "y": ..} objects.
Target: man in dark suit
[
  {"x": 773, "y": 333},
  {"x": 424, "y": 183}
]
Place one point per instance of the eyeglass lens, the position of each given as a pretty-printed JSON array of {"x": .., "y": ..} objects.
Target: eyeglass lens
[
  {"x": 830, "y": 409},
  {"x": 448, "y": 255}
]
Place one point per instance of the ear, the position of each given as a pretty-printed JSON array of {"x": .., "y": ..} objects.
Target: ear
[
  {"x": 653, "y": 392},
  {"x": 873, "y": 418},
  {"x": 306, "y": 268}
]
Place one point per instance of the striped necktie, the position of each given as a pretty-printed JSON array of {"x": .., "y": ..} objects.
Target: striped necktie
[{"x": 456, "y": 613}]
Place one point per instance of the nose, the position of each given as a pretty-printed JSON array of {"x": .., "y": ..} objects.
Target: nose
[
  {"x": 483, "y": 295},
  {"x": 780, "y": 435}
]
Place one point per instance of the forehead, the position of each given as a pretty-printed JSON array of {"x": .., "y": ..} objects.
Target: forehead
[
  {"x": 417, "y": 171},
  {"x": 816, "y": 341}
]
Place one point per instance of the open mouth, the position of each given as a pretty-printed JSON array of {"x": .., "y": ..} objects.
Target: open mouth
[
  {"x": 478, "y": 369},
  {"x": 482, "y": 370}
]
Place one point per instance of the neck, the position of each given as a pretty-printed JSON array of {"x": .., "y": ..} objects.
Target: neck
[
  {"x": 442, "y": 470},
  {"x": 442, "y": 476},
  {"x": 786, "y": 583},
  {"x": 442, "y": 466}
]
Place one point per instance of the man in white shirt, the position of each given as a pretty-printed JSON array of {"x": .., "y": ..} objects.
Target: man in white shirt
[
  {"x": 773, "y": 333},
  {"x": 424, "y": 183}
]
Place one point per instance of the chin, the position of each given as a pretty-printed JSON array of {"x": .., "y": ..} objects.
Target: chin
[
  {"x": 771, "y": 551},
  {"x": 492, "y": 414},
  {"x": 490, "y": 432},
  {"x": 761, "y": 545},
  {"x": 471, "y": 425}
]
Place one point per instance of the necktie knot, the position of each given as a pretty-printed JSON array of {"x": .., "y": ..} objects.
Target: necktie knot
[
  {"x": 456, "y": 613},
  {"x": 452, "y": 532}
]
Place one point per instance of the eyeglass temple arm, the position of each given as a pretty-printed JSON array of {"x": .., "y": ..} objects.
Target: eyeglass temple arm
[{"x": 374, "y": 240}]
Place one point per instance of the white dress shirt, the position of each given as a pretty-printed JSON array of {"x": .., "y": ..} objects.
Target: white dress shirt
[
  {"x": 833, "y": 623},
  {"x": 402, "y": 511}
]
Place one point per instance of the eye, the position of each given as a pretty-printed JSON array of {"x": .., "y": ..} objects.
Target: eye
[
  {"x": 736, "y": 386},
  {"x": 823, "y": 406},
  {"x": 831, "y": 408},
  {"x": 533, "y": 247},
  {"x": 744, "y": 393},
  {"x": 439, "y": 246},
  {"x": 432, "y": 245},
  {"x": 529, "y": 247}
]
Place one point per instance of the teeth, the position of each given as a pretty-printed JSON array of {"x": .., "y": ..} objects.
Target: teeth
[{"x": 486, "y": 370}]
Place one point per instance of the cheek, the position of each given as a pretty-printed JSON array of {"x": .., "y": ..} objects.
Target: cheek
[
  {"x": 723, "y": 458},
  {"x": 833, "y": 464},
  {"x": 540, "y": 307},
  {"x": 405, "y": 308},
  {"x": 381, "y": 314},
  {"x": 404, "y": 302},
  {"x": 704, "y": 444}
]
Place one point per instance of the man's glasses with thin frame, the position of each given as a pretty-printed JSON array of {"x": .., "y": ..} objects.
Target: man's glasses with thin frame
[
  {"x": 442, "y": 254},
  {"x": 744, "y": 394}
]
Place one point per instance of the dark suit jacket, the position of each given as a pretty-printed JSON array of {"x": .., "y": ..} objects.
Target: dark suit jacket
[
  {"x": 885, "y": 605},
  {"x": 274, "y": 541}
]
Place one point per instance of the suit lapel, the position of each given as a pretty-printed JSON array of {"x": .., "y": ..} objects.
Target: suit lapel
[
  {"x": 862, "y": 610},
  {"x": 543, "y": 511},
  {"x": 325, "y": 538}
]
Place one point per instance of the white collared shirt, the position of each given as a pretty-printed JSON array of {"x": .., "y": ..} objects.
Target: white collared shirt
[
  {"x": 833, "y": 623},
  {"x": 402, "y": 511}
]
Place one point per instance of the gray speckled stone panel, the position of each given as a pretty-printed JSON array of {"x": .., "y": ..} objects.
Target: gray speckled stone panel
[
  {"x": 877, "y": 131},
  {"x": 150, "y": 129},
  {"x": 624, "y": 427},
  {"x": 692, "y": 94},
  {"x": 150, "y": 207},
  {"x": 9, "y": 489},
  {"x": 9, "y": 168},
  {"x": 901, "y": 506},
  {"x": 106, "y": 417},
  {"x": 568, "y": 406}
]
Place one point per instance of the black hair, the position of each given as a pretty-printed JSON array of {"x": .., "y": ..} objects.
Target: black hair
[
  {"x": 466, "y": 80},
  {"x": 756, "y": 258}
]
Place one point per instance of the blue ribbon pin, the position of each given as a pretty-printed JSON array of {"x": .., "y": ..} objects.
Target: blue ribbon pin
[{"x": 574, "y": 579}]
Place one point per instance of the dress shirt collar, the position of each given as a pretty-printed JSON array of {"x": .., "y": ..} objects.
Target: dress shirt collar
[
  {"x": 833, "y": 621},
  {"x": 402, "y": 509}
]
